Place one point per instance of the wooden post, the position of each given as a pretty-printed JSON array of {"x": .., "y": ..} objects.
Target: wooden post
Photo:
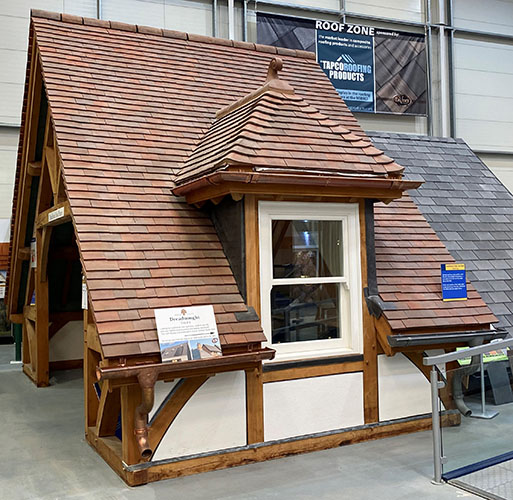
[
  {"x": 254, "y": 405},
  {"x": 42, "y": 365},
  {"x": 91, "y": 360},
  {"x": 130, "y": 400},
  {"x": 370, "y": 351},
  {"x": 252, "y": 252}
]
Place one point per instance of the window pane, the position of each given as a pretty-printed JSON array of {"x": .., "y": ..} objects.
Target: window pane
[
  {"x": 305, "y": 312},
  {"x": 307, "y": 248}
]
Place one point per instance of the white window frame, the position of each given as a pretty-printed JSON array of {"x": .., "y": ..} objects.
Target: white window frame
[{"x": 351, "y": 340}]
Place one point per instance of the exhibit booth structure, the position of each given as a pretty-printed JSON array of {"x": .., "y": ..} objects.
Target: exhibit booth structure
[{"x": 160, "y": 173}]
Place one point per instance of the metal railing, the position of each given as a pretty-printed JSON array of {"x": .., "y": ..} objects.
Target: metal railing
[{"x": 437, "y": 363}]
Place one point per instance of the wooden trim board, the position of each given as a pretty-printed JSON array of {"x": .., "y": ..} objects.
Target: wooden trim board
[{"x": 110, "y": 450}]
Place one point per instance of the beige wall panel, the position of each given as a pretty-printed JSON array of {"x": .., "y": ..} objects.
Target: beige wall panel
[
  {"x": 493, "y": 15},
  {"x": 483, "y": 99},
  {"x": 147, "y": 13},
  {"x": 21, "y": 8},
  {"x": 86, "y": 8},
  {"x": 321, "y": 4},
  {"x": 14, "y": 32},
  {"x": 502, "y": 166},
  {"x": 393, "y": 123},
  {"x": 10, "y": 109},
  {"x": 192, "y": 17},
  {"x": 13, "y": 64},
  {"x": 407, "y": 10}
]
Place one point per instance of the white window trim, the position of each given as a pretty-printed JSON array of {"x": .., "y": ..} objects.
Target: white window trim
[{"x": 351, "y": 305}]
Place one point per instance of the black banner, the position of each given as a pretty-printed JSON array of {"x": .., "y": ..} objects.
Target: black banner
[{"x": 374, "y": 70}]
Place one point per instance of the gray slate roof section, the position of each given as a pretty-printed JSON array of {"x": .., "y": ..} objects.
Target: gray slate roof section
[{"x": 468, "y": 207}]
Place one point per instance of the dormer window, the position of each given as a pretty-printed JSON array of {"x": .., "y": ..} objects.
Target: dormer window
[{"x": 310, "y": 278}]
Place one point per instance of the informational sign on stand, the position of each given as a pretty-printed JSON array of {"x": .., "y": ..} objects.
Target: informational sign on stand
[
  {"x": 454, "y": 282},
  {"x": 187, "y": 333},
  {"x": 2, "y": 284},
  {"x": 33, "y": 253},
  {"x": 84, "y": 293}
]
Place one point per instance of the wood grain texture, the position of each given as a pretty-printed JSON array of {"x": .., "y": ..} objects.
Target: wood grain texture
[
  {"x": 370, "y": 355},
  {"x": 109, "y": 410},
  {"x": 130, "y": 399},
  {"x": 312, "y": 371},
  {"x": 254, "y": 405},
  {"x": 272, "y": 451},
  {"x": 252, "y": 253}
]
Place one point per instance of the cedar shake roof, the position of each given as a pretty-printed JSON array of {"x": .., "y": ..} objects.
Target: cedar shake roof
[
  {"x": 129, "y": 105},
  {"x": 468, "y": 207},
  {"x": 408, "y": 258},
  {"x": 275, "y": 129}
]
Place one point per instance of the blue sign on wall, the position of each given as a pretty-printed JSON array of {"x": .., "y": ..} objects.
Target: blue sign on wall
[
  {"x": 454, "y": 282},
  {"x": 348, "y": 61}
]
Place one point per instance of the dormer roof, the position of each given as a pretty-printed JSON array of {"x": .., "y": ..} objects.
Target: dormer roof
[{"x": 273, "y": 130}]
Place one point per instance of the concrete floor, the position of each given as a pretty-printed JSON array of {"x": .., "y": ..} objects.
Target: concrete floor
[{"x": 44, "y": 456}]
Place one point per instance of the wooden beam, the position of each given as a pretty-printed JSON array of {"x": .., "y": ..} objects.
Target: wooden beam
[
  {"x": 109, "y": 410},
  {"x": 172, "y": 407},
  {"x": 92, "y": 338},
  {"x": 109, "y": 448},
  {"x": 45, "y": 248},
  {"x": 25, "y": 180},
  {"x": 370, "y": 351},
  {"x": 90, "y": 397},
  {"x": 254, "y": 405},
  {"x": 24, "y": 253},
  {"x": 31, "y": 344},
  {"x": 30, "y": 312},
  {"x": 130, "y": 400},
  {"x": 34, "y": 168},
  {"x": 252, "y": 253},
  {"x": 262, "y": 452},
  {"x": 226, "y": 188},
  {"x": 42, "y": 367},
  {"x": 58, "y": 214},
  {"x": 312, "y": 371}
]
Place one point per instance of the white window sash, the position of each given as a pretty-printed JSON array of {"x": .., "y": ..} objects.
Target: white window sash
[{"x": 350, "y": 303}]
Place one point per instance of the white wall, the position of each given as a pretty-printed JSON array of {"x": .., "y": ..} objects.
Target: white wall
[
  {"x": 493, "y": 15},
  {"x": 68, "y": 342},
  {"x": 501, "y": 165},
  {"x": 484, "y": 97},
  {"x": 8, "y": 152},
  {"x": 213, "y": 419},
  {"x": 306, "y": 406},
  {"x": 406, "y": 10},
  {"x": 403, "y": 390}
]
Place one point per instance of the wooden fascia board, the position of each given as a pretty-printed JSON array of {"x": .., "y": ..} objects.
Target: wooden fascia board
[
  {"x": 30, "y": 131},
  {"x": 236, "y": 189}
]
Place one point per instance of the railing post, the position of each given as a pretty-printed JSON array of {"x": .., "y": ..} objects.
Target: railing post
[{"x": 437, "y": 442}]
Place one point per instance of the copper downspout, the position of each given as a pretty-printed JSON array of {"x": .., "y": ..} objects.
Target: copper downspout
[{"x": 147, "y": 383}]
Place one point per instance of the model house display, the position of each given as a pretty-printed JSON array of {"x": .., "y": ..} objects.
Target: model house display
[{"x": 179, "y": 172}]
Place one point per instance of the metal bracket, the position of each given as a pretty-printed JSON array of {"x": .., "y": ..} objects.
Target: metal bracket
[{"x": 440, "y": 384}]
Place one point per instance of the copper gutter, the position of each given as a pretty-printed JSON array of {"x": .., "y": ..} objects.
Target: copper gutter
[
  {"x": 220, "y": 177},
  {"x": 148, "y": 374}
]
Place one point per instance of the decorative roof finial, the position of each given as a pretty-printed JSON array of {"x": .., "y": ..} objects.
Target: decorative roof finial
[{"x": 275, "y": 65}]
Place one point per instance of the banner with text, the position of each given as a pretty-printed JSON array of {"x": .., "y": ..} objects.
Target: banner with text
[{"x": 374, "y": 70}]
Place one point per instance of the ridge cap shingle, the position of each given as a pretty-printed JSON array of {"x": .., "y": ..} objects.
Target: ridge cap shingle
[{"x": 150, "y": 30}]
